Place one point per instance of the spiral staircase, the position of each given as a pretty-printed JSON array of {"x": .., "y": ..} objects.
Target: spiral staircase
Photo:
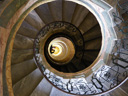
[{"x": 91, "y": 52}]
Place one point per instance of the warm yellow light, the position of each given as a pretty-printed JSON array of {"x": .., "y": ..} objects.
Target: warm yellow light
[
  {"x": 61, "y": 50},
  {"x": 55, "y": 50}
]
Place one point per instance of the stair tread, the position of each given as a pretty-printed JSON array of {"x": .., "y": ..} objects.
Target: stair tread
[
  {"x": 26, "y": 85},
  {"x": 86, "y": 63},
  {"x": 91, "y": 56},
  {"x": 106, "y": 95},
  {"x": 34, "y": 20},
  {"x": 89, "y": 22},
  {"x": 118, "y": 92},
  {"x": 93, "y": 33},
  {"x": 68, "y": 11},
  {"x": 124, "y": 86},
  {"x": 43, "y": 89},
  {"x": 82, "y": 66},
  {"x": 93, "y": 44},
  {"x": 56, "y": 92},
  {"x": 71, "y": 68},
  {"x": 93, "y": 50},
  {"x": 1, "y": 2},
  {"x": 64, "y": 69},
  {"x": 19, "y": 56},
  {"x": 76, "y": 62},
  {"x": 21, "y": 70},
  {"x": 27, "y": 30},
  {"x": 22, "y": 42},
  {"x": 56, "y": 10},
  {"x": 79, "y": 15},
  {"x": 44, "y": 13}
]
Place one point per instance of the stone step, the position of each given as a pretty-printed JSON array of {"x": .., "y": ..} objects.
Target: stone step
[
  {"x": 21, "y": 70},
  {"x": 34, "y": 20},
  {"x": 68, "y": 10},
  {"x": 118, "y": 92},
  {"x": 57, "y": 92},
  {"x": 89, "y": 22},
  {"x": 90, "y": 55},
  {"x": 86, "y": 63},
  {"x": 93, "y": 33},
  {"x": 93, "y": 44},
  {"x": 1, "y": 2},
  {"x": 124, "y": 86},
  {"x": 64, "y": 69},
  {"x": 76, "y": 62},
  {"x": 98, "y": 95},
  {"x": 27, "y": 30},
  {"x": 22, "y": 42},
  {"x": 71, "y": 68},
  {"x": 43, "y": 89},
  {"x": 19, "y": 56},
  {"x": 56, "y": 10},
  {"x": 106, "y": 95},
  {"x": 79, "y": 15},
  {"x": 44, "y": 13},
  {"x": 82, "y": 65},
  {"x": 27, "y": 85}
]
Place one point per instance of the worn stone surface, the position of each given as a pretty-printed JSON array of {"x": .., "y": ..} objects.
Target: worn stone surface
[
  {"x": 19, "y": 56},
  {"x": 93, "y": 33},
  {"x": 93, "y": 44},
  {"x": 68, "y": 11},
  {"x": 27, "y": 85},
  {"x": 27, "y": 30},
  {"x": 1, "y": 4},
  {"x": 3, "y": 33},
  {"x": 89, "y": 22},
  {"x": 4, "y": 4},
  {"x": 90, "y": 55},
  {"x": 125, "y": 86},
  {"x": 10, "y": 18},
  {"x": 23, "y": 42},
  {"x": 56, "y": 92},
  {"x": 11, "y": 11},
  {"x": 5, "y": 40},
  {"x": 79, "y": 15},
  {"x": 44, "y": 13},
  {"x": 118, "y": 92},
  {"x": 56, "y": 10},
  {"x": 43, "y": 89},
  {"x": 34, "y": 20},
  {"x": 21, "y": 70}
]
